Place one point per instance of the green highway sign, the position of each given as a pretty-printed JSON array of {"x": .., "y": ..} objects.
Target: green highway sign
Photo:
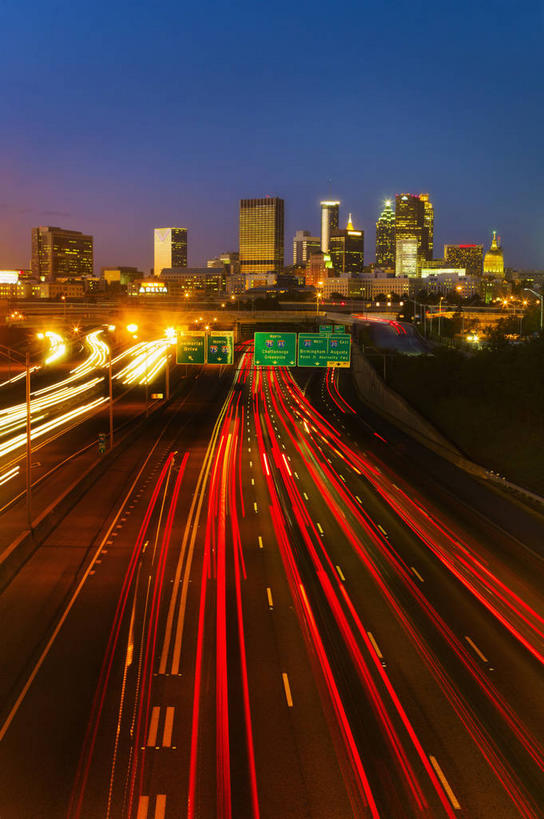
[
  {"x": 320, "y": 350},
  {"x": 325, "y": 328},
  {"x": 220, "y": 347},
  {"x": 191, "y": 348},
  {"x": 275, "y": 349},
  {"x": 339, "y": 328}
]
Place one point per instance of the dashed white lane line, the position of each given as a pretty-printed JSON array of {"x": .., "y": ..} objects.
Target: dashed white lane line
[
  {"x": 445, "y": 784},
  {"x": 168, "y": 727},
  {"x": 382, "y": 530},
  {"x": 375, "y": 645},
  {"x": 473, "y": 645},
  {"x": 358, "y": 499},
  {"x": 255, "y": 506},
  {"x": 153, "y": 726},
  {"x": 269, "y": 596},
  {"x": 417, "y": 574},
  {"x": 295, "y": 473},
  {"x": 253, "y": 482},
  {"x": 160, "y": 806},
  {"x": 320, "y": 529},
  {"x": 340, "y": 574},
  {"x": 251, "y": 464},
  {"x": 143, "y": 807},
  {"x": 305, "y": 496},
  {"x": 261, "y": 543},
  {"x": 287, "y": 689}
]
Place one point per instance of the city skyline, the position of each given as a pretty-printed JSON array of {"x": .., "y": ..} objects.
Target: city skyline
[
  {"x": 120, "y": 162},
  {"x": 441, "y": 240}
]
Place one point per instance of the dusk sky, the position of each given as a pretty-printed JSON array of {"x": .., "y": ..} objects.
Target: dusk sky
[{"x": 118, "y": 117}]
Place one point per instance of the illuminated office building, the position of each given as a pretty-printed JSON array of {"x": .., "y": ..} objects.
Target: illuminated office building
[
  {"x": 414, "y": 219},
  {"x": 304, "y": 244},
  {"x": 494, "y": 259},
  {"x": 385, "y": 237},
  {"x": 261, "y": 235},
  {"x": 428, "y": 221},
  {"x": 170, "y": 248},
  {"x": 330, "y": 212},
  {"x": 59, "y": 253},
  {"x": 347, "y": 249},
  {"x": 471, "y": 257},
  {"x": 406, "y": 256}
]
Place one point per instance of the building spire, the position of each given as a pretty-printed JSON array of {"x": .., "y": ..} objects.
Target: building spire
[{"x": 349, "y": 224}]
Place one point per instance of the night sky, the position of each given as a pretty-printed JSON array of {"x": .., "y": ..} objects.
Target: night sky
[{"x": 118, "y": 117}]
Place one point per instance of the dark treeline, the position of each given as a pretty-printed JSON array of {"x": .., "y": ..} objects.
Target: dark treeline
[{"x": 489, "y": 403}]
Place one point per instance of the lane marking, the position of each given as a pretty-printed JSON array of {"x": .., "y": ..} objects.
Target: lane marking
[
  {"x": 417, "y": 574},
  {"x": 251, "y": 464},
  {"x": 295, "y": 473},
  {"x": 358, "y": 499},
  {"x": 143, "y": 807},
  {"x": 339, "y": 570},
  {"x": 187, "y": 545},
  {"x": 382, "y": 530},
  {"x": 261, "y": 543},
  {"x": 476, "y": 649},
  {"x": 287, "y": 689},
  {"x": 168, "y": 727},
  {"x": 255, "y": 506},
  {"x": 160, "y": 806},
  {"x": 320, "y": 529},
  {"x": 445, "y": 784},
  {"x": 253, "y": 482},
  {"x": 375, "y": 645},
  {"x": 153, "y": 726},
  {"x": 269, "y": 595},
  {"x": 306, "y": 496}
]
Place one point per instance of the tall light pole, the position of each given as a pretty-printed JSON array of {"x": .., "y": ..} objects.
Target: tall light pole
[
  {"x": 111, "y": 400},
  {"x": 28, "y": 445},
  {"x": 541, "y": 297},
  {"x": 8, "y": 353},
  {"x": 440, "y": 316},
  {"x": 317, "y": 297}
]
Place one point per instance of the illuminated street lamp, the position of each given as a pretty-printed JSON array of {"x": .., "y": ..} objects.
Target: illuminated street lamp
[
  {"x": 317, "y": 297},
  {"x": 440, "y": 316},
  {"x": 8, "y": 352},
  {"x": 132, "y": 328}
]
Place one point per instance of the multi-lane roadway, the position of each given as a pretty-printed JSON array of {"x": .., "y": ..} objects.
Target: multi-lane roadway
[{"x": 276, "y": 605}]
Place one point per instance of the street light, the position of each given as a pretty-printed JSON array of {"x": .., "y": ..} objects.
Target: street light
[
  {"x": 318, "y": 295},
  {"x": 541, "y": 297},
  {"x": 132, "y": 328},
  {"x": 10, "y": 353},
  {"x": 440, "y": 316}
]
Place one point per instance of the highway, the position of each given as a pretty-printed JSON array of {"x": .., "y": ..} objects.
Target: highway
[{"x": 276, "y": 605}]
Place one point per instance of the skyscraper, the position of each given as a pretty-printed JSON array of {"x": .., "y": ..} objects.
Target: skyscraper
[
  {"x": 406, "y": 256},
  {"x": 170, "y": 248},
  {"x": 304, "y": 244},
  {"x": 494, "y": 259},
  {"x": 347, "y": 249},
  {"x": 385, "y": 237},
  {"x": 428, "y": 220},
  {"x": 414, "y": 219},
  {"x": 59, "y": 253},
  {"x": 261, "y": 235},
  {"x": 471, "y": 257},
  {"x": 330, "y": 212}
]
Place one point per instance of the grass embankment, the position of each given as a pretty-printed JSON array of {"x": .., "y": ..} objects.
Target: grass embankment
[{"x": 490, "y": 404}]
